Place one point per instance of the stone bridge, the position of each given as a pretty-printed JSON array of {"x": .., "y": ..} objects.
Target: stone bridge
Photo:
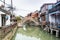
[{"x": 29, "y": 20}]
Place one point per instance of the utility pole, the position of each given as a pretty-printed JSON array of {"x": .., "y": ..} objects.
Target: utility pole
[
  {"x": 11, "y": 6},
  {"x": 11, "y": 10},
  {"x": 4, "y": 3}
]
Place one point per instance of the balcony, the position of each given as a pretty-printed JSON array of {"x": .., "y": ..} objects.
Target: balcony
[
  {"x": 57, "y": 8},
  {"x": 4, "y": 10},
  {"x": 58, "y": 3}
]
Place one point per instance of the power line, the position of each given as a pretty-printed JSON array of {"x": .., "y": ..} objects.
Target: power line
[
  {"x": 5, "y": 3},
  {"x": 11, "y": 6}
]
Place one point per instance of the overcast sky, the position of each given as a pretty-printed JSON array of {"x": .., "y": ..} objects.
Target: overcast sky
[{"x": 23, "y": 7}]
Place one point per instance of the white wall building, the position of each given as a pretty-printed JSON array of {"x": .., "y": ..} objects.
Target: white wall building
[{"x": 4, "y": 19}]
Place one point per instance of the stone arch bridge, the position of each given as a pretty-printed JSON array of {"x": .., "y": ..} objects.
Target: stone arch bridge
[{"x": 29, "y": 19}]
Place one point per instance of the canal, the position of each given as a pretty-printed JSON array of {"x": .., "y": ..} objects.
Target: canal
[{"x": 33, "y": 33}]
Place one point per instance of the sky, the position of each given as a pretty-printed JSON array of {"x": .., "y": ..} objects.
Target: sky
[{"x": 23, "y": 7}]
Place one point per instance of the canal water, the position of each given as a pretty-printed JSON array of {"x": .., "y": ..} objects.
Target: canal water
[{"x": 33, "y": 33}]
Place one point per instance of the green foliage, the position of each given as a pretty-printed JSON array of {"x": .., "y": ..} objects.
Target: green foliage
[{"x": 18, "y": 18}]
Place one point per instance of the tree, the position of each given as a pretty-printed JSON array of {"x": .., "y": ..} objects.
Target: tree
[{"x": 18, "y": 18}]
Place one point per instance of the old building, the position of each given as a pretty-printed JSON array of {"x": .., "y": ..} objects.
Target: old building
[
  {"x": 54, "y": 18},
  {"x": 4, "y": 17},
  {"x": 44, "y": 15},
  {"x": 5, "y": 22},
  {"x": 54, "y": 15}
]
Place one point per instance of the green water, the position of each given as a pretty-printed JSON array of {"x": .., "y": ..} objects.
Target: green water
[{"x": 35, "y": 32}]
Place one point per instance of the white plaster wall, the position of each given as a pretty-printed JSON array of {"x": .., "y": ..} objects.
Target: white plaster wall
[
  {"x": 2, "y": 12},
  {"x": 1, "y": 3},
  {"x": 8, "y": 21},
  {"x": 51, "y": 19}
]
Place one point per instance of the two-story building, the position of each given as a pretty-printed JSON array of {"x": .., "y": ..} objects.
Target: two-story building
[
  {"x": 4, "y": 17},
  {"x": 44, "y": 15},
  {"x": 54, "y": 18},
  {"x": 54, "y": 15}
]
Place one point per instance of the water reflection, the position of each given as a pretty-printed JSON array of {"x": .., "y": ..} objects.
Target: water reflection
[
  {"x": 24, "y": 37},
  {"x": 33, "y": 33},
  {"x": 24, "y": 27}
]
